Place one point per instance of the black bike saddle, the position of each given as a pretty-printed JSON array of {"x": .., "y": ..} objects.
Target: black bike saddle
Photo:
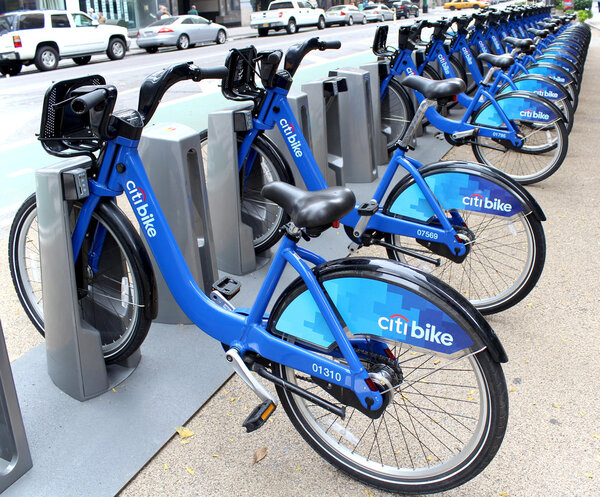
[
  {"x": 434, "y": 89},
  {"x": 311, "y": 209}
]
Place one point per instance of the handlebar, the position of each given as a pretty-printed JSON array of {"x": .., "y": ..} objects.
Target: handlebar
[
  {"x": 297, "y": 52},
  {"x": 88, "y": 101}
]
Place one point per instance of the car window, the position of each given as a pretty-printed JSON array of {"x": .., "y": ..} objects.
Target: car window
[
  {"x": 187, "y": 21},
  {"x": 337, "y": 7},
  {"x": 370, "y": 7},
  {"x": 60, "y": 21},
  {"x": 7, "y": 23},
  {"x": 81, "y": 20},
  {"x": 200, "y": 20},
  {"x": 164, "y": 21},
  {"x": 281, "y": 5},
  {"x": 31, "y": 21}
]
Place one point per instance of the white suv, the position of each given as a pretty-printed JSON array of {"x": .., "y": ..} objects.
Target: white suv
[{"x": 43, "y": 37}]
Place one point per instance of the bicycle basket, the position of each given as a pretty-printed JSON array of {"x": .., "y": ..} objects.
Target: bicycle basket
[
  {"x": 64, "y": 133},
  {"x": 240, "y": 82}
]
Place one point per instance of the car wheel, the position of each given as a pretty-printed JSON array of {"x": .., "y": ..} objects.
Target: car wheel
[
  {"x": 417, "y": 13},
  {"x": 116, "y": 49},
  {"x": 321, "y": 23},
  {"x": 350, "y": 21},
  {"x": 476, "y": 6},
  {"x": 11, "y": 69},
  {"x": 453, "y": 8},
  {"x": 46, "y": 58},
  {"x": 364, "y": 21},
  {"x": 263, "y": 31},
  {"x": 221, "y": 37},
  {"x": 183, "y": 42},
  {"x": 151, "y": 49},
  {"x": 291, "y": 26},
  {"x": 381, "y": 19},
  {"x": 82, "y": 61}
]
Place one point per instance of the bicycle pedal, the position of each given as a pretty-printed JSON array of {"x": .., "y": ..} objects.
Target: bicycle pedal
[
  {"x": 228, "y": 287},
  {"x": 368, "y": 208},
  {"x": 440, "y": 136},
  {"x": 259, "y": 416}
]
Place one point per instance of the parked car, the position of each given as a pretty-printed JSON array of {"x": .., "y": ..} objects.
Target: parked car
[
  {"x": 288, "y": 15},
  {"x": 378, "y": 12},
  {"x": 405, "y": 8},
  {"x": 181, "y": 32},
  {"x": 43, "y": 37},
  {"x": 344, "y": 14},
  {"x": 464, "y": 4}
]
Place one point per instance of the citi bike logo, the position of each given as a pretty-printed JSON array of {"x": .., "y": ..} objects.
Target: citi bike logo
[
  {"x": 409, "y": 71},
  {"x": 467, "y": 55},
  {"x": 138, "y": 198},
  {"x": 398, "y": 324},
  {"x": 290, "y": 135},
  {"x": 444, "y": 63},
  {"x": 480, "y": 201},
  {"x": 534, "y": 114},
  {"x": 546, "y": 93},
  {"x": 482, "y": 47}
]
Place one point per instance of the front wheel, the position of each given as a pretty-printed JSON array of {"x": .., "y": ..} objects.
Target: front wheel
[
  {"x": 396, "y": 114},
  {"x": 350, "y": 21},
  {"x": 11, "y": 68},
  {"x": 543, "y": 151},
  {"x": 263, "y": 32},
  {"x": 321, "y": 23},
  {"x": 116, "y": 49},
  {"x": 82, "y": 61},
  {"x": 443, "y": 421},
  {"x": 46, "y": 58},
  {"x": 221, "y": 37},
  {"x": 114, "y": 292},
  {"x": 364, "y": 20},
  {"x": 263, "y": 216}
]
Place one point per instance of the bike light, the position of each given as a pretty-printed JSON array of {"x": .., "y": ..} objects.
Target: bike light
[
  {"x": 17, "y": 41},
  {"x": 165, "y": 30}
]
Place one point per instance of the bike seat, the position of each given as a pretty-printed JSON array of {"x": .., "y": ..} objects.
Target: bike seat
[
  {"x": 518, "y": 43},
  {"x": 434, "y": 89},
  {"x": 311, "y": 209},
  {"x": 542, "y": 33},
  {"x": 501, "y": 61}
]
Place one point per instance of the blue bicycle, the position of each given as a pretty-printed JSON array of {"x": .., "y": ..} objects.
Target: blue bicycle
[{"x": 389, "y": 374}]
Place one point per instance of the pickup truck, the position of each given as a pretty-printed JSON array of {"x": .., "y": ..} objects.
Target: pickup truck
[
  {"x": 288, "y": 15},
  {"x": 43, "y": 37}
]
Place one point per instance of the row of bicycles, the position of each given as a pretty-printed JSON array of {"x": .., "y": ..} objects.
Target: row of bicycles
[{"x": 386, "y": 367}]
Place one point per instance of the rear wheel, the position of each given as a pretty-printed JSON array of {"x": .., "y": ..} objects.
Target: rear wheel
[
  {"x": 291, "y": 27},
  {"x": 364, "y": 20},
  {"x": 183, "y": 43},
  {"x": 321, "y": 23},
  {"x": 221, "y": 37},
  {"x": 505, "y": 259},
  {"x": 263, "y": 31},
  {"x": 116, "y": 49},
  {"x": 113, "y": 291},
  {"x": 46, "y": 58},
  {"x": 263, "y": 216},
  {"x": 443, "y": 422},
  {"x": 396, "y": 114},
  {"x": 350, "y": 21},
  {"x": 543, "y": 151}
]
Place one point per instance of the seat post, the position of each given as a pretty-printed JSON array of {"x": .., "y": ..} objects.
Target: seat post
[{"x": 412, "y": 128}]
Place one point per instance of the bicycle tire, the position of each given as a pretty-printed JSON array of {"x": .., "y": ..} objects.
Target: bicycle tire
[
  {"x": 504, "y": 263},
  {"x": 396, "y": 114},
  {"x": 122, "y": 273},
  {"x": 542, "y": 154},
  {"x": 264, "y": 217},
  {"x": 407, "y": 449}
]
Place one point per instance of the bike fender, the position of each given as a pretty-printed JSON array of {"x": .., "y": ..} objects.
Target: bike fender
[
  {"x": 127, "y": 232},
  {"x": 466, "y": 186},
  {"x": 551, "y": 71},
  {"x": 397, "y": 303},
  {"x": 559, "y": 61},
  {"x": 518, "y": 106},
  {"x": 540, "y": 85}
]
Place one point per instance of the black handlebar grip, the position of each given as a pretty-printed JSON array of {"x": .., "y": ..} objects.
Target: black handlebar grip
[
  {"x": 88, "y": 101},
  {"x": 218, "y": 72},
  {"x": 333, "y": 45}
]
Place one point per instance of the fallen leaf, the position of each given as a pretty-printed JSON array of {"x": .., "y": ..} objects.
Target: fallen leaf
[
  {"x": 529, "y": 304},
  {"x": 184, "y": 442},
  {"x": 184, "y": 432},
  {"x": 166, "y": 467},
  {"x": 114, "y": 390},
  {"x": 512, "y": 390},
  {"x": 587, "y": 475},
  {"x": 581, "y": 413},
  {"x": 369, "y": 493},
  {"x": 260, "y": 454},
  {"x": 215, "y": 455},
  {"x": 435, "y": 363},
  {"x": 472, "y": 392},
  {"x": 503, "y": 494},
  {"x": 232, "y": 399},
  {"x": 595, "y": 436},
  {"x": 189, "y": 470},
  {"x": 298, "y": 469},
  {"x": 557, "y": 406}
]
